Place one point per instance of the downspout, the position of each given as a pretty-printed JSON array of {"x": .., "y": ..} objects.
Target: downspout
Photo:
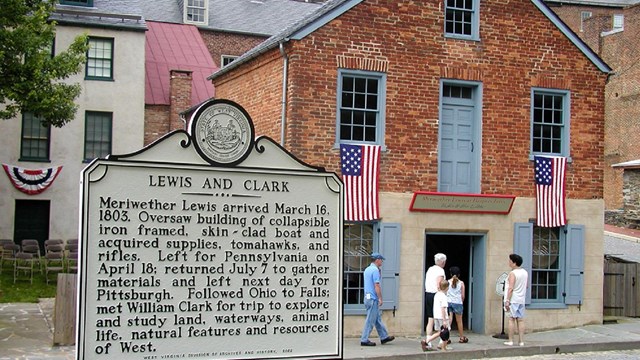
[{"x": 283, "y": 116}]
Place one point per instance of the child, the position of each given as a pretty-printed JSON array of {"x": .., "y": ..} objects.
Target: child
[
  {"x": 440, "y": 317},
  {"x": 455, "y": 297}
]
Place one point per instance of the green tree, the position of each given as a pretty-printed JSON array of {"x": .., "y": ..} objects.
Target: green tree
[{"x": 31, "y": 78}]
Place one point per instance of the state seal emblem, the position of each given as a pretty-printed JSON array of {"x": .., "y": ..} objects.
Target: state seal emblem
[{"x": 222, "y": 132}]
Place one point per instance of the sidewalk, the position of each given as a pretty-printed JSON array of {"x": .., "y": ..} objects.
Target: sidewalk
[{"x": 26, "y": 333}]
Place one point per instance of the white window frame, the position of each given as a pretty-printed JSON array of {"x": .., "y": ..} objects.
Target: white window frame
[
  {"x": 226, "y": 60},
  {"x": 618, "y": 22},
  {"x": 193, "y": 8}
]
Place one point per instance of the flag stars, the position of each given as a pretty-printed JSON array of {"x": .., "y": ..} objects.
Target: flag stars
[
  {"x": 351, "y": 160},
  {"x": 543, "y": 173}
]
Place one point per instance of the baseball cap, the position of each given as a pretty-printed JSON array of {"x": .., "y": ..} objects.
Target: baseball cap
[{"x": 376, "y": 256}]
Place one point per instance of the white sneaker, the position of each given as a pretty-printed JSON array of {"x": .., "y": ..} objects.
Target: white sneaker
[
  {"x": 521, "y": 344},
  {"x": 508, "y": 343}
]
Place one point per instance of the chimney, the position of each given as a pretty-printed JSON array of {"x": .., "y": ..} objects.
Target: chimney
[{"x": 180, "y": 97}]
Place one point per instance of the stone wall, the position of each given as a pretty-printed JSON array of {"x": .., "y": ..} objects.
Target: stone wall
[{"x": 629, "y": 216}]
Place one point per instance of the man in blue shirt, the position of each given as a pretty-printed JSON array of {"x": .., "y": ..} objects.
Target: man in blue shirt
[{"x": 372, "y": 302}]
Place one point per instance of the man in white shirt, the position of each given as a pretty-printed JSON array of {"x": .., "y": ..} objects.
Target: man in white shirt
[
  {"x": 514, "y": 298},
  {"x": 435, "y": 274}
]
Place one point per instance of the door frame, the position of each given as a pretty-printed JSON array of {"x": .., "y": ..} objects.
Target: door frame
[
  {"x": 477, "y": 129},
  {"x": 476, "y": 283}
]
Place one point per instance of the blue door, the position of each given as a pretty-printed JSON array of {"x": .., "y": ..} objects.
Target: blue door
[{"x": 458, "y": 150}]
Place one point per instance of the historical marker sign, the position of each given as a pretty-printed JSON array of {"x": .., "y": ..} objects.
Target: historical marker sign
[{"x": 210, "y": 245}]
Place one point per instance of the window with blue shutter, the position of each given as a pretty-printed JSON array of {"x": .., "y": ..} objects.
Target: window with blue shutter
[
  {"x": 360, "y": 240},
  {"x": 554, "y": 259}
]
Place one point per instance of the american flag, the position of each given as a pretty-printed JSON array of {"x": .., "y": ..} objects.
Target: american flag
[
  {"x": 360, "y": 175},
  {"x": 551, "y": 210}
]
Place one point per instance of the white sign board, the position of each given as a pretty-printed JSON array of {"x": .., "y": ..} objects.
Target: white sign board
[{"x": 184, "y": 259}]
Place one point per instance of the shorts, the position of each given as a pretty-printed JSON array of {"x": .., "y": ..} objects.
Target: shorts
[
  {"x": 438, "y": 323},
  {"x": 456, "y": 308},
  {"x": 429, "y": 304},
  {"x": 516, "y": 311}
]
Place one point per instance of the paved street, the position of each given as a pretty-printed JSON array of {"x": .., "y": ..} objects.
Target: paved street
[{"x": 592, "y": 355}]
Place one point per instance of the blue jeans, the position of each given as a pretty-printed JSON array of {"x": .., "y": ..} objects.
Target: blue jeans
[{"x": 374, "y": 319}]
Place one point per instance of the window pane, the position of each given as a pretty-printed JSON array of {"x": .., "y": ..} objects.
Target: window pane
[
  {"x": 545, "y": 263},
  {"x": 358, "y": 245},
  {"x": 359, "y": 107},
  {"x": 548, "y": 123},
  {"x": 98, "y": 127},
  {"x": 100, "y": 58},
  {"x": 35, "y": 139},
  {"x": 459, "y": 17},
  {"x": 347, "y": 99}
]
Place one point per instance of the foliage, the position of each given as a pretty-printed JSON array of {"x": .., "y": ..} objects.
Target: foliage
[
  {"x": 31, "y": 78},
  {"x": 23, "y": 291}
]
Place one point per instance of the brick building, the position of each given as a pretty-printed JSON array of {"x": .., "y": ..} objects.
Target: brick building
[
  {"x": 427, "y": 80},
  {"x": 612, "y": 29}
]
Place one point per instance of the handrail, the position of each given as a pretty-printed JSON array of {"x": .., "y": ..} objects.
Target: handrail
[{"x": 97, "y": 14}]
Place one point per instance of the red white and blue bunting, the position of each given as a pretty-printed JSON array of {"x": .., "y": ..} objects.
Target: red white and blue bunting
[{"x": 31, "y": 182}]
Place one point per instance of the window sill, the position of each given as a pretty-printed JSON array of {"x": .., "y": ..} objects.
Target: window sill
[
  {"x": 533, "y": 155},
  {"x": 99, "y": 78},
  {"x": 462, "y": 37},
  {"x": 353, "y": 311},
  {"x": 558, "y": 305},
  {"x": 35, "y": 160}
]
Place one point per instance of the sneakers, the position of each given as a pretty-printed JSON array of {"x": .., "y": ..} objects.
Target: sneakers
[
  {"x": 367, "y": 343},
  {"x": 510, "y": 343},
  {"x": 387, "y": 339}
]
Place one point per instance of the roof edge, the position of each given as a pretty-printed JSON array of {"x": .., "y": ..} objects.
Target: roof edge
[
  {"x": 301, "y": 28},
  {"x": 334, "y": 9},
  {"x": 575, "y": 39}
]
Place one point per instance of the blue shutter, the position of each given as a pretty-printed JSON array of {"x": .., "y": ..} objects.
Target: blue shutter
[
  {"x": 574, "y": 269},
  {"x": 523, "y": 246},
  {"x": 389, "y": 246}
]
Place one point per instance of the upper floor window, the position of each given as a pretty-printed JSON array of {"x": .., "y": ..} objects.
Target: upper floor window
[
  {"x": 584, "y": 16},
  {"x": 97, "y": 134},
  {"x": 361, "y": 104},
  {"x": 77, "y": 2},
  {"x": 34, "y": 144},
  {"x": 196, "y": 11},
  {"x": 462, "y": 18},
  {"x": 100, "y": 59},
  {"x": 550, "y": 122},
  {"x": 618, "y": 21},
  {"x": 227, "y": 59}
]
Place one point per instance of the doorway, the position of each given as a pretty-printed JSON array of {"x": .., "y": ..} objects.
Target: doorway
[
  {"x": 31, "y": 221},
  {"x": 467, "y": 252}
]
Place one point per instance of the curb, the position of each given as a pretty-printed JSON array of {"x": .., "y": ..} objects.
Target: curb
[{"x": 512, "y": 351}]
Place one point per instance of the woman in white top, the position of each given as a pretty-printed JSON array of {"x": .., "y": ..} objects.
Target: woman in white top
[{"x": 455, "y": 297}]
